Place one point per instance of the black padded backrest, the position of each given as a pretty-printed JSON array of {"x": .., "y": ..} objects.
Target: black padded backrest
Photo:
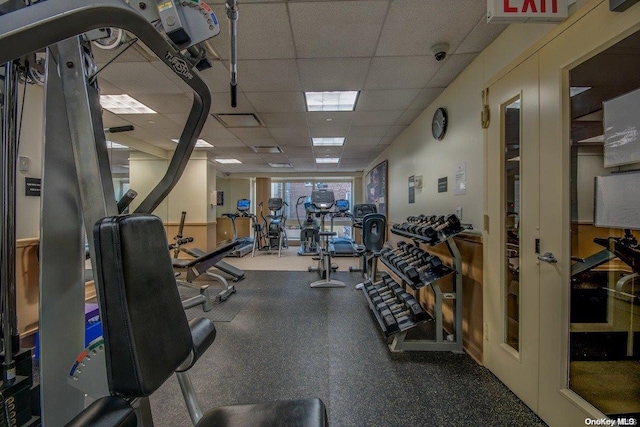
[
  {"x": 374, "y": 226},
  {"x": 145, "y": 329}
]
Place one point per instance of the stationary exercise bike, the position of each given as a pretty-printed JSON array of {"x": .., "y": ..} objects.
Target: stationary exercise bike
[
  {"x": 271, "y": 234},
  {"x": 309, "y": 229},
  {"x": 322, "y": 201}
]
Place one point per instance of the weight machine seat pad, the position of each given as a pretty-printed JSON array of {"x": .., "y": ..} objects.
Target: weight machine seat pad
[
  {"x": 210, "y": 258},
  {"x": 109, "y": 411},
  {"x": 299, "y": 413},
  {"x": 203, "y": 333},
  {"x": 146, "y": 333}
]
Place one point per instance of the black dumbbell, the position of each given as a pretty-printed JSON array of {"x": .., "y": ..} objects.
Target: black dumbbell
[
  {"x": 414, "y": 256},
  {"x": 411, "y": 304},
  {"x": 429, "y": 233},
  {"x": 390, "y": 322},
  {"x": 451, "y": 224},
  {"x": 413, "y": 273}
]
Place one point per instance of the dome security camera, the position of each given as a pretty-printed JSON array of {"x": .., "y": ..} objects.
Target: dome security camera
[{"x": 439, "y": 51}]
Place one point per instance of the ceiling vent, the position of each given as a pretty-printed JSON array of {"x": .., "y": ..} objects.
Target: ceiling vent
[
  {"x": 238, "y": 120},
  {"x": 267, "y": 149}
]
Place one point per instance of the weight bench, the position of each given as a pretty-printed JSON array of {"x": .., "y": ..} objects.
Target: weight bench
[
  {"x": 147, "y": 336},
  {"x": 200, "y": 265}
]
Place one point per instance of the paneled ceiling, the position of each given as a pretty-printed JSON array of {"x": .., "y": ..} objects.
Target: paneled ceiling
[{"x": 378, "y": 47}]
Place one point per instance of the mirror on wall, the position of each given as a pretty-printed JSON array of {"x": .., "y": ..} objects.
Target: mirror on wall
[{"x": 604, "y": 339}]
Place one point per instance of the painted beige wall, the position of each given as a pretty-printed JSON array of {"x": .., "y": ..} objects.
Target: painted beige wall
[
  {"x": 234, "y": 189},
  {"x": 31, "y": 136},
  {"x": 416, "y": 152},
  {"x": 145, "y": 171}
]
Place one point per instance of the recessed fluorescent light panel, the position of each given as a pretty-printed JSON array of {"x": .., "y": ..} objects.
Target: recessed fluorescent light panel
[
  {"x": 228, "y": 161},
  {"x": 201, "y": 143},
  {"x": 327, "y": 160},
  {"x": 331, "y": 101},
  {"x": 124, "y": 104},
  {"x": 334, "y": 142},
  {"x": 280, "y": 165},
  {"x": 577, "y": 90}
]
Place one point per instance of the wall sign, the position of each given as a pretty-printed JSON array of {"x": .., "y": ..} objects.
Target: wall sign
[
  {"x": 501, "y": 11},
  {"x": 460, "y": 173},
  {"x": 442, "y": 185},
  {"x": 412, "y": 189},
  {"x": 32, "y": 186}
]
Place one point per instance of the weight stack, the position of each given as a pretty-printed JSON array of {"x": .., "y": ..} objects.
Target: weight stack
[{"x": 15, "y": 407}]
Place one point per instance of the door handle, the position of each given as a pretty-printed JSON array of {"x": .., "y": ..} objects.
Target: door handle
[{"x": 548, "y": 257}]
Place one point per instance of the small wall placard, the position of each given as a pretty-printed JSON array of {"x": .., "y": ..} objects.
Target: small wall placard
[
  {"x": 442, "y": 185},
  {"x": 32, "y": 186}
]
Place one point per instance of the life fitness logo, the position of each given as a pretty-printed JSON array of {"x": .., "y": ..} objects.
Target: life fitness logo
[{"x": 179, "y": 65}]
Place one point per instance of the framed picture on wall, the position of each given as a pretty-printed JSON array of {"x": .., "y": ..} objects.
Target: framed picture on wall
[{"x": 376, "y": 187}]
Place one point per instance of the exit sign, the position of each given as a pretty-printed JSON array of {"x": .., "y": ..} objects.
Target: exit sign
[{"x": 527, "y": 10}]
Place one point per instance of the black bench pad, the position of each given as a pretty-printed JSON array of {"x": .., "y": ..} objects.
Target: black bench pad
[
  {"x": 110, "y": 411},
  {"x": 285, "y": 413}
]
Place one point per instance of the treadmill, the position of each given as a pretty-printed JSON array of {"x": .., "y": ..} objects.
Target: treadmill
[
  {"x": 343, "y": 246},
  {"x": 242, "y": 211}
]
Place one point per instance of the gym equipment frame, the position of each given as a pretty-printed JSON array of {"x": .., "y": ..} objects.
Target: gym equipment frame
[{"x": 77, "y": 187}]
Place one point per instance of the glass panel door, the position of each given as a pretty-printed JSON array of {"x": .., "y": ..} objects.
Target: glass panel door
[
  {"x": 604, "y": 337},
  {"x": 511, "y": 172}
]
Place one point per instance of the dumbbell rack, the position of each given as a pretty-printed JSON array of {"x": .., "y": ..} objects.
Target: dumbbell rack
[
  {"x": 454, "y": 341},
  {"x": 403, "y": 326}
]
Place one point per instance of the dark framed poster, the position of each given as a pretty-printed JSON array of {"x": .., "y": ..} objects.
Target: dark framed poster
[{"x": 376, "y": 187}]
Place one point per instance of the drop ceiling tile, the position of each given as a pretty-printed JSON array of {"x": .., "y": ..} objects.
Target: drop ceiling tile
[
  {"x": 221, "y": 104},
  {"x": 215, "y": 133},
  {"x": 425, "y": 98},
  {"x": 217, "y": 77},
  {"x": 481, "y": 36},
  {"x": 285, "y": 141},
  {"x": 289, "y": 133},
  {"x": 275, "y": 75},
  {"x": 330, "y": 74},
  {"x": 109, "y": 119},
  {"x": 408, "y": 117},
  {"x": 294, "y": 152},
  {"x": 284, "y": 120},
  {"x": 274, "y": 158},
  {"x": 337, "y": 118},
  {"x": 320, "y": 29},
  {"x": 394, "y": 131},
  {"x": 384, "y": 100},
  {"x": 277, "y": 102},
  {"x": 405, "y": 72},
  {"x": 166, "y": 103},
  {"x": 452, "y": 66},
  {"x": 107, "y": 88},
  {"x": 327, "y": 151},
  {"x": 171, "y": 75},
  {"x": 151, "y": 121},
  {"x": 358, "y": 141},
  {"x": 328, "y": 131},
  {"x": 138, "y": 77},
  {"x": 413, "y": 26},
  {"x": 102, "y": 56},
  {"x": 368, "y": 131},
  {"x": 263, "y": 32},
  {"x": 243, "y": 133},
  {"x": 240, "y": 152},
  {"x": 376, "y": 118},
  {"x": 386, "y": 141},
  {"x": 225, "y": 143},
  {"x": 181, "y": 119}
]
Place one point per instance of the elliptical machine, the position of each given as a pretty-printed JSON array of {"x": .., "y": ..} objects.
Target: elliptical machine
[
  {"x": 271, "y": 234},
  {"x": 309, "y": 229},
  {"x": 322, "y": 201}
]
